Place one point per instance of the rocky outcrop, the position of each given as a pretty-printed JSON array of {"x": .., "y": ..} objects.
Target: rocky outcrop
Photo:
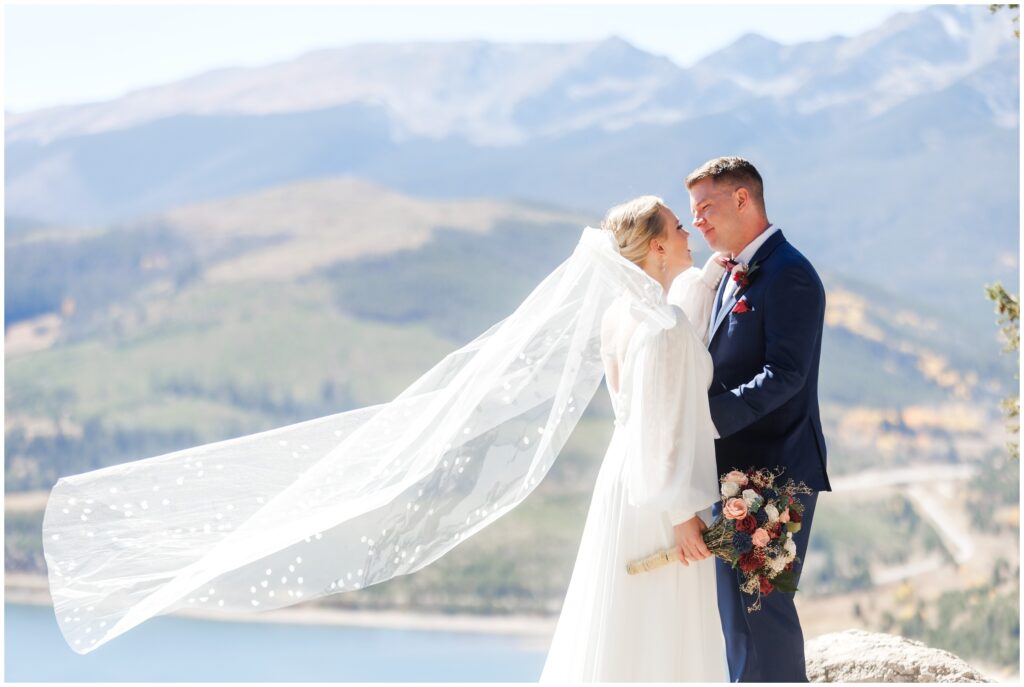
[{"x": 858, "y": 656}]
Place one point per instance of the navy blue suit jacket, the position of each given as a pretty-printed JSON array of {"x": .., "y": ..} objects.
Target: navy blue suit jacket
[{"x": 764, "y": 394}]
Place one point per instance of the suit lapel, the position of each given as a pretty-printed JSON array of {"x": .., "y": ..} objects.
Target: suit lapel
[{"x": 766, "y": 249}]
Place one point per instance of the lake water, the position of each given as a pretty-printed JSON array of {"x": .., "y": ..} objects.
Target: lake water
[{"x": 172, "y": 649}]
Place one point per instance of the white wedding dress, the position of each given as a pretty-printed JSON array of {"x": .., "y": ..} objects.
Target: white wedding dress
[{"x": 662, "y": 625}]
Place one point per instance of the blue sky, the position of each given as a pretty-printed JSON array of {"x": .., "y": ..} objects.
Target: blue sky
[{"x": 62, "y": 54}]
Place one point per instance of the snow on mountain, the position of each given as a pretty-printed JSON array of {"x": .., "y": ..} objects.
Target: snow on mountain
[{"x": 505, "y": 94}]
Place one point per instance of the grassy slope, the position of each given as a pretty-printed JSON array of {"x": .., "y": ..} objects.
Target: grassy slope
[{"x": 285, "y": 338}]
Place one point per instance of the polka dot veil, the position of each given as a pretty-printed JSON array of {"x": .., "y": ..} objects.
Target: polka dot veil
[{"x": 344, "y": 501}]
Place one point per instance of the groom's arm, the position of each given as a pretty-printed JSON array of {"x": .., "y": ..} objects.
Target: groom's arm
[{"x": 794, "y": 312}]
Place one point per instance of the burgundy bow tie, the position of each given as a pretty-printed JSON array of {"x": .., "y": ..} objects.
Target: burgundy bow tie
[{"x": 729, "y": 264}]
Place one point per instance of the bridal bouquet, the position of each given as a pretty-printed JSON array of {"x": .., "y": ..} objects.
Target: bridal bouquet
[{"x": 755, "y": 530}]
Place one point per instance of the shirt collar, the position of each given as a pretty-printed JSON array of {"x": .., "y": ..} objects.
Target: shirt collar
[{"x": 747, "y": 254}]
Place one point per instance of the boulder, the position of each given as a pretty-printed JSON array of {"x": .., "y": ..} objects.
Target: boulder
[{"x": 858, "y": 656}]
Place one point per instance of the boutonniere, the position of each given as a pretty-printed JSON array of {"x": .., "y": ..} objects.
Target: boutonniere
[
  {"x": 741, "y": 307},
  {"x": 744, "y": 274}
]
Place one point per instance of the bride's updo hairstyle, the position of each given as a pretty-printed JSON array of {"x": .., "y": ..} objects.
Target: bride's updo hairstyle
[{"x": 634, "y": 224}]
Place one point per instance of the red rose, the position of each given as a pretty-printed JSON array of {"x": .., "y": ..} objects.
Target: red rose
[
  {"x": 749, "y": 562},
  {"x": 766, "y": 586},
  {"x": 747, "y": 524},
  {"x": 774, "y": 529},
  {"x": 795, "y": 516},
  {"x": 741, "y": 307}
]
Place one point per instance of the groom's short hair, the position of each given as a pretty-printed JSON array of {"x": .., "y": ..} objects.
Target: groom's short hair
[{"x": 731, "y": 170}]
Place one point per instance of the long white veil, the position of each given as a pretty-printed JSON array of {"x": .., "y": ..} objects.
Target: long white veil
[{"x": 348, "y": 500}]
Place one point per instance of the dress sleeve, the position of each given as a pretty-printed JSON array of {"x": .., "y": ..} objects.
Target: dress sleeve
[
  {"x": 671, "y": 462},
  {"x": 694, "y": 292}
]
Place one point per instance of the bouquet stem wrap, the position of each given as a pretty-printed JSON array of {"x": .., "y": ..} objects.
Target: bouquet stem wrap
[{"x": 652, "y": 562}]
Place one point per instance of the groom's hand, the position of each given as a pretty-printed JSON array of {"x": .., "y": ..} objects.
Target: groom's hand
[{"x": 690, "y": 541}]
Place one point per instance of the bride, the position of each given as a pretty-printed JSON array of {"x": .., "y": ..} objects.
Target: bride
[
  {"x": 345, "y": 501},
  {"x": 663, "y": 625}
]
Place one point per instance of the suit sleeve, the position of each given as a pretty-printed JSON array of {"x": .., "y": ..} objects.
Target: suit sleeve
[{"x": 794, "y": 313}]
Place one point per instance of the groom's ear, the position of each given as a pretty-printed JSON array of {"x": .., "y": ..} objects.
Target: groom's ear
[{"x": 741, "y": 196}]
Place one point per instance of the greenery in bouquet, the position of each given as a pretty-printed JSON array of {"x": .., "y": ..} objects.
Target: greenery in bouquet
[{"x": 755, "y": 530}]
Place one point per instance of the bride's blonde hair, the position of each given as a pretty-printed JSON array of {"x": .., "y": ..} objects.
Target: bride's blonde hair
[{"x": 634, "y": 224}]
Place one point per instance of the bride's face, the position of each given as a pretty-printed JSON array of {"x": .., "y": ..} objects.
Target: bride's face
[{"x": 675, "y": 244}]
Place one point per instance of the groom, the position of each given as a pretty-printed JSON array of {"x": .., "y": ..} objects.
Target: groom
[{"x": 765, "y": 341}]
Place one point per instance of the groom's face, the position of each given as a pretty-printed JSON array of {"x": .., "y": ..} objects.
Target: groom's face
[{"x": 715, "y": 215}]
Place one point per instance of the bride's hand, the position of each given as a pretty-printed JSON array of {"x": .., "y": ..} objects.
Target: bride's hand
[
  {"x": 713, "y": 271},
  {"x": 690, "y": 542}
]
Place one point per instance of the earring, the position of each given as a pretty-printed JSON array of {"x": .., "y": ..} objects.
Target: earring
[{"x": 664, "y": 264}]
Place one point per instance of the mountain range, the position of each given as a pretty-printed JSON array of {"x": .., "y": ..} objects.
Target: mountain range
[
  {"x": 891, "y": 156},
  {"x": 506, "y": 94}
]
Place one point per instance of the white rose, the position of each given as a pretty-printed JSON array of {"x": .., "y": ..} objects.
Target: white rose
[
  {"x": 778, "y": 564},
  {"x": 751, "y": 497},
  {"x": 790, "y": 548},
  {"x": 730, "y": 489},
  {"x": 772, "y": 512}
]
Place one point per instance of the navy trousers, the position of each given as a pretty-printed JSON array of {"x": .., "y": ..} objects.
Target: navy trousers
[{"x": 765, "y": 645}]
